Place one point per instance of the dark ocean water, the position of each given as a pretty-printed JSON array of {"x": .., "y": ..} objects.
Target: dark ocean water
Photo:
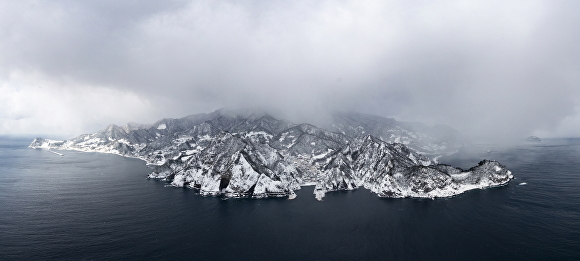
[{"x": 90, "y": 206}]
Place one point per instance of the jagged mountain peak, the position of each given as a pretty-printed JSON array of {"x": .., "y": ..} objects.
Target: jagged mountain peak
[{"x": 112, "y": 132}]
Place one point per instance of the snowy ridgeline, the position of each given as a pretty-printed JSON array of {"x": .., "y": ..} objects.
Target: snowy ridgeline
[{"x": 256, "y": 155}]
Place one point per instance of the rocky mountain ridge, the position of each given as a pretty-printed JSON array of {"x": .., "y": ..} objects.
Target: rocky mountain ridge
[{"x": 252, "y": 154}]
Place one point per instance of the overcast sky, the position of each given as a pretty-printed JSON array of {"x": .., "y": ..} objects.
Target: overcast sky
[{"x": 488, "y": 68}]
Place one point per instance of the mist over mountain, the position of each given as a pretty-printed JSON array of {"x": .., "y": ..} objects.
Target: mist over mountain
[{"x": 495, "y": 69}]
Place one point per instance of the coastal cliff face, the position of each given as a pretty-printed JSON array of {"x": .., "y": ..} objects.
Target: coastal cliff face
[{"x": 250, "y": 154}]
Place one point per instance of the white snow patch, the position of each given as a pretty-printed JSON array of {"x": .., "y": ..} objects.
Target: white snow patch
[
  {"x": 322, "y": 155},
  {"x": 190, "y": 152},
  {"x": 412, "y": 157},
  {"x": 256, "y": 133},
  {"x": 162, "y": 126},
  {"x": 460, "y": 176},
  {"x": 283, "y": 137},
  {"x": 205, "y": 138}
]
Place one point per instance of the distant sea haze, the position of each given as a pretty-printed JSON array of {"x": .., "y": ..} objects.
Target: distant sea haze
[{"x": 91, "y": 206}]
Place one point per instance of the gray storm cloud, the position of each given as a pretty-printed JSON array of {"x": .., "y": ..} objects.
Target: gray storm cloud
[{"x": 493, "y": 68}]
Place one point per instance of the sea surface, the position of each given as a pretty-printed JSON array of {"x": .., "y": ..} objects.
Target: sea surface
[{"x": 91, "y": 206}]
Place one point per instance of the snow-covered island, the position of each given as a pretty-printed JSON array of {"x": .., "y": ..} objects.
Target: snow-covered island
[{"x": 252, "y": 154}]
